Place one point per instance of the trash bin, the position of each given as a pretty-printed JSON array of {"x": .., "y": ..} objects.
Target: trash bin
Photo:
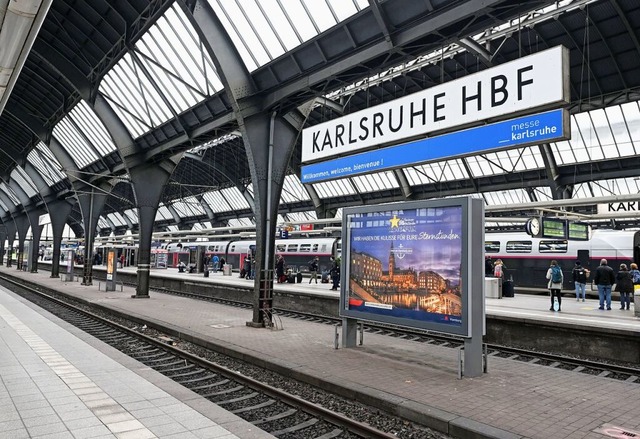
[
  {"x": 507, "y": 288},
  {"x": 492, "y": 288},
  {"x": 226, "y": 269}
]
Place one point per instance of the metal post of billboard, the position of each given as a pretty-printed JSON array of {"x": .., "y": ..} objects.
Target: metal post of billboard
[
  {"x": 112, "y": 268},
  {"x": 473, "y": 355}
]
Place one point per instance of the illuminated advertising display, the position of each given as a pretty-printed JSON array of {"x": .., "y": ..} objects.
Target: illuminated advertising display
[
  {"x": 111, "y": 263},
  {"x": 554, "y": 228},
  {"x": 407, "y": 265}
]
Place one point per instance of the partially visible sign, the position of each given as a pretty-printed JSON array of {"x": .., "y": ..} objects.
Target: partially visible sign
[
  {"x": 619, "y": 207},
  {"x": 522, "y": 86},
  {"x": 545, "y": 127},
  {"x": 579, "y": 231}
]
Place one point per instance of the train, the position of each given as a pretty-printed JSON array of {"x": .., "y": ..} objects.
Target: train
[{"x": 527, "y": 259}]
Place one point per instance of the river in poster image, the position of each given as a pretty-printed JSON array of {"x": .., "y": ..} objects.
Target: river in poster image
[{"x": 407, "y": 264}]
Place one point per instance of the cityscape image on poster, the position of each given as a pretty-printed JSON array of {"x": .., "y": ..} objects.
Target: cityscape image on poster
[{"x": 407, "y": 264}]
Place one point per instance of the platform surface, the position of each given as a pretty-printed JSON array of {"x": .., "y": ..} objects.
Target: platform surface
[
  {"x": 514, "y": 399},
  {"x": 57, "y": 382}
]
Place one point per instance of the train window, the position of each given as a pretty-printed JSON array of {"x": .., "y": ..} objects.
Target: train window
[
  {"x": 518, "y": 246},
  {"x": 492, "y": 246},
  {"x": 280, "y": 248},
  {"x": 553, "y": 246},
  {"x": 233, "y": 249},
  {"x": 292, "y": 248},
  {"x": 305, "y": 248},
  {"x": 315, "y": 248}
]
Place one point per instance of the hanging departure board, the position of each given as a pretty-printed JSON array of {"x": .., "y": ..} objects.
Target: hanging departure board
[
  {"x": 554, "y": 228},
  {"x": 579, "y": 231}
]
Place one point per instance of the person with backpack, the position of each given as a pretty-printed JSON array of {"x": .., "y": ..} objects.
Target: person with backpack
[
  {"x": 579, "y": 275},
  {"x": 624, "y": 286},
  {"x": 554, "y": 274},
  {"x": 604, "y": 279},
  {"x": 313, "y": 269}
]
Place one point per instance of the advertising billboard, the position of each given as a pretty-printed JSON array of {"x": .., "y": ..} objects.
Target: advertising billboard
[{"x": 410, "y": 263}]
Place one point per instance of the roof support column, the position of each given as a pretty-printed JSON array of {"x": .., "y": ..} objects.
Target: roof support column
[
  {"x": 36, "y": 231},
  {"x": 91, "y": 205},
  {"x": 148, "y": 183},
  {"x": 3, "y": 238},
  {"x": 270, "y": 142},
  {"x": 22, "y": 224},
  {"x": 10, "y": 227},
  {"x": 58, "y": 212}
]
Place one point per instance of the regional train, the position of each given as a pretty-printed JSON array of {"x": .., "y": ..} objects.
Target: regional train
[{"x": 527, "y": 259}]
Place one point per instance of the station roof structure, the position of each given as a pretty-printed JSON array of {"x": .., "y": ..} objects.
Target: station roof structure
[{"x": 146, "y": 59}]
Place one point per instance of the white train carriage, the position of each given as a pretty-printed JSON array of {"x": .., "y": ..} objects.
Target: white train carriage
[{"x": 527, "y": 259}]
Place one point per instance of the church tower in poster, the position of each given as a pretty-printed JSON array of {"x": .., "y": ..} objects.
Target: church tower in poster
[{"x": 392, "y": 262}]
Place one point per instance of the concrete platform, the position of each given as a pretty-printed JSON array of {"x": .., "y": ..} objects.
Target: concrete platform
[
  {"x": 513, "y": 400},
  {"x": 57, "y": 382}
]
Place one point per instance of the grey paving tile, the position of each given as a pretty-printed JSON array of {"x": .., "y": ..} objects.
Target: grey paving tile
[
  {"x": 92, "y": 432},
  {"x": 39, "y": 430}
]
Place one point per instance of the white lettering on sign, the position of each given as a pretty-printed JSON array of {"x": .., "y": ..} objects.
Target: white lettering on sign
[
  {"x": 521, "y": 86},
  {"x": 619, "y": 207}
]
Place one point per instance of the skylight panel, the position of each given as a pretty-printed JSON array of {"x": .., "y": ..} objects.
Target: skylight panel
[
  {"x": 292, "y": 190},
  {"x": 235, "y": 199},
  {"x": 379, "y": 181},
  {"x": 240, "y": 222},
  {"x": 133, "y": 97},
  {"x": 513, "y": 196},
  {"x": 429, "y": 173},
  {"x": 617, "y": 186},
  {"x": 163, "y": 213},
  {"x": 116, "y": 219},
  {"x": 72, "y": 140},
  {"x": 262, "y": 30},
  {"x": 103, "y": 223},
  {"x": 334, "y": 188},
  {"x": 194, "y": 205},
  {"x": 132, "y": 214},
  {"x": 44, "y": 161},
  {"x": 7, "y": 190},
  {"x": 300, "y": 217},
  {"x": 24, "y": 181},
  {"x": 92, "y": 128},
  {"x": 216, "y": 202},
  {"x": 177, "y": 62}
]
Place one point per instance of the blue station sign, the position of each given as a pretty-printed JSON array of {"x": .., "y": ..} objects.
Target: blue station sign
[{"x": 526, "y": 130}]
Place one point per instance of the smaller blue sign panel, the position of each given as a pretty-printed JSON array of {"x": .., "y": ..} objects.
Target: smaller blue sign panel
[{"x": 532, "y": 129}]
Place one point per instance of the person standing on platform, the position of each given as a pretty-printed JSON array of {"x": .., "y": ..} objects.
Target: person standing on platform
[
  {"x": 488, "y": 266},
  {"x": 579, "y": 275},
  {"x": 604, "y": 279},
  {"x": 280, "y": 269},
  {"x": 624, "y": 285},
  {"x": 216, "y": 262},
  {"x": 635, "y": 276},
  {"x": 313, "y": 269},
  {"x": 556, "y": 278},
  {"x": 335, "y": 273}
]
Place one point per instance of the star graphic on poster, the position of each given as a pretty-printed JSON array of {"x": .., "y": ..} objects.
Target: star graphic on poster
[{"x": 395, "y": 222}]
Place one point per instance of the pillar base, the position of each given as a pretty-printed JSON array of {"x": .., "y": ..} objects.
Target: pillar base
[
  {"x": 140, "y": 296},
  {"x": 255, "y": 325}
]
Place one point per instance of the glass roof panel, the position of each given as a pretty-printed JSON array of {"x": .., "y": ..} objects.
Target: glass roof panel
[
  {"x": 262, "y": 30},
  {"x": 543, "y": 193},
  {"x": 133, "y": 97},
  {"x": 300, "y": 217},
  {"x": 513, "y": 196},
  {"x": 334, "y": 188},
  {"x": 92, "y": 128},
  {"x": 103, "y": 223},
  {"x": 132, "y": 214},
  {"x": 177, "y": 62},
  {"x": 379, "y": 181},
  {"x": 235, "y": 199},
  {"x": 448, "y": 170},
  {"x": 163, "y": 213},
  {"x": 631, "y": 112},
  {"x": 216, "y": 202},
  {"x": 241, "y": 222},
  {"x": 620, "y": 130},
  {"x": 508, "y": 161},
  {"x": 72, "y": 140},
  {"x": 116, "y": 219},
  {"x": 292, "y": 190},
  {"x": 44, "y": 161},
  {"x": 7, "y": 190},
  {"x": 24, "y": 181},
  {"x": 606, "y": 188},
  {"x": 172, "y": 228},
  {"x": 194, "y": 205}
]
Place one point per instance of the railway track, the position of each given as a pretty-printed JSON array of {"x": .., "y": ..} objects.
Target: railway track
[{"x": 271, "y": 409}]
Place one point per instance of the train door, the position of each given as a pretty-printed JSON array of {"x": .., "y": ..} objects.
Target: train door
[
  {"x": 636, "y": 247},
  {"x": 584, "y": 258}
]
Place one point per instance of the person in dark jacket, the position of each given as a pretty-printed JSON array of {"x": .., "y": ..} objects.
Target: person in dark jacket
[
  {"x": 604, "y": 279},
  {"x": 280, "y": 269},
  {"x": 579, "y": 275},
  {"x": 335, "y": 273},
  {"x": 313, "y": 269},
  {"x": 624, "y": 285}
]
